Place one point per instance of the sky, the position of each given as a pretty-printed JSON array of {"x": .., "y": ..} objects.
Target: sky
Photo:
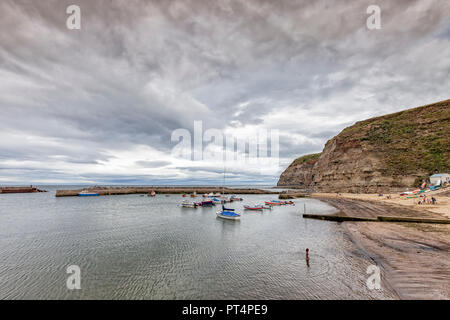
[{"x": 104, "y": 104}]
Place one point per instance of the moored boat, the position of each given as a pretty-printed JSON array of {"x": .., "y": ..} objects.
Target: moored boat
[
  {"x": 207, "y": 203},
  {"x": 273, "y": 203},
  {"x": 253, "y": 207},
  {"x": 188, "y": 204},
  {"x": 86, "y": 193},
  {"x": 228, "y": 214}
]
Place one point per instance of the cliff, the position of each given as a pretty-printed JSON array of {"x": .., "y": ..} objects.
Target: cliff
[{"x": 380, "y": 154}]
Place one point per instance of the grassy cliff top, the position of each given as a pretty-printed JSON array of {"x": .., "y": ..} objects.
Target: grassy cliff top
[
  {"x": 411, "y": 141},
  {"x": 306, "y": 159}
]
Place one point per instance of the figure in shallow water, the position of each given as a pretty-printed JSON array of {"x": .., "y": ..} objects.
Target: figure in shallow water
[{"x": 307, "y": 257}]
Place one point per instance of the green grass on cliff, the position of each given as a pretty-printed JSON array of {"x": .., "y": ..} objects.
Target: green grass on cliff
[
  {"x": 408, "y": 142},
  {"x": 306, "y": 158}
]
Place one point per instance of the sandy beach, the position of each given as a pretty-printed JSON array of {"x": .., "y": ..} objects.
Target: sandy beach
[
  {"x": 442, "y": 208},
  {"x": 414, "y": 258}
]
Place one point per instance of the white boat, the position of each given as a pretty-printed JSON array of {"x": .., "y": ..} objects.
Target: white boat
[
  {"x": 86, "y": 193},
  {"x": 228, "y": 215},
  {"x": 188, "y": 204}
]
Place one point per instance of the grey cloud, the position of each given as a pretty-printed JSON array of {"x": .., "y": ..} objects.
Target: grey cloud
[
  {"x": 137, "y": 70},
  {"x": 153, "y": 164}
]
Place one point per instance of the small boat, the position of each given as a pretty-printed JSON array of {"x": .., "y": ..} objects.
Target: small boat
[
  {"x": 234, "y": 198},
  {"x": 254, "y": 207},
  {"x": 207, "y": 203},
  {"x": 267, "y": 207},
  {"x": 184, "y": 195},
  {"x": 228, "y": 215},
  {"x": 211, "y": 195},
  {"x": 273, "y": 203},
  {"x": 86, "y": 193},
  {"x": 152, "y": 194},
  {"x": 215, "y": 200},
  {"x": 188, "y": 204},
  {"x": 194, "y": 195},
  {"x": 225, "y": 199}
]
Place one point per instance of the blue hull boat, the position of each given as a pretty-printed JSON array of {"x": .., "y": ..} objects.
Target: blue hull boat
[{"x": 228, "y": 215}]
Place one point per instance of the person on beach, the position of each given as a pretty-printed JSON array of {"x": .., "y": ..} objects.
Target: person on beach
[{"x": 307, "y": 257}]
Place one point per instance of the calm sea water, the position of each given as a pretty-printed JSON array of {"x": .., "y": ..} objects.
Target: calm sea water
[{"x": 133, "y": 247}]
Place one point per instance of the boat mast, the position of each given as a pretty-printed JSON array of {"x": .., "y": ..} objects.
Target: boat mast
[{"x": 223, "y": 184}]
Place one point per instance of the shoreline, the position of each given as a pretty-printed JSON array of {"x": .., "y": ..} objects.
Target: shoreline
[{"x": 414, "y": 258}]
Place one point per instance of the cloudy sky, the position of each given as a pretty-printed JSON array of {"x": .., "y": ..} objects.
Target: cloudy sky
[{"x": 100, "y": 104}]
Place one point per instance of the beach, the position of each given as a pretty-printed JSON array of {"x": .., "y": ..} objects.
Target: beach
[
  {"x": 414, "y": 258},
  {"x": 442, "y": 208}
]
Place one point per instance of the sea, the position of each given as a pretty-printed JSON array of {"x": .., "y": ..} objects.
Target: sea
[{"x": 140, "y": 247}]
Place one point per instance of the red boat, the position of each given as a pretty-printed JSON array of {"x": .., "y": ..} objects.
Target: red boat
[
  {"x": 273, "y": 203},
  {"x": 253, "y": 207}
]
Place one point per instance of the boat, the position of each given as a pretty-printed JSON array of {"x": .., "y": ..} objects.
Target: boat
[
  {"x": 234, "y": 198},
  {"x": 86, "y": 193},
  {"x": 184, "y": 195},
  {"x": 188, "y": 204},
  {"x": 273, "y": 203},
  {"x": 254, "y": 207},
  {"x": 194, "y": 195},
  {"x": 225, "y": 200},
  {"x": 211, "y": 195},
  {"x": 206, "y": 203},
  {"x": 215, "y": 200},
  {"x": 152, "y": 194},
  {"x": 228, "y": 214},
  {"x": 267, "y": 207}
]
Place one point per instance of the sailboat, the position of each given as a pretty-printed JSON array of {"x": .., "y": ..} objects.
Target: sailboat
[{"x": 228, "y": 214}]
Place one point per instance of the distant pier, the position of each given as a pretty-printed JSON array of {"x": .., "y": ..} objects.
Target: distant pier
[
  {"x": 29, "y": 189},
  {"x": 106, "y": 191}
]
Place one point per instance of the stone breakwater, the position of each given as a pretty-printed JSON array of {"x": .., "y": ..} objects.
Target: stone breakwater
[
  {"x": 105, "y": 191},
  {"x": 30, "y": 189}
]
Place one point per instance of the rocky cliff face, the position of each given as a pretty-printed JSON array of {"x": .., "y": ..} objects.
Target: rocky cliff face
[
  {"x": 380, "y": 154},
  {"x": 299, "y": 173}
]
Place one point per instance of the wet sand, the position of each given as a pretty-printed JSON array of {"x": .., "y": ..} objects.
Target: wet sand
[{"x": 414, "y": 258}]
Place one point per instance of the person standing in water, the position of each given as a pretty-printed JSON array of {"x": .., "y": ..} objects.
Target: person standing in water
[{"x": 307, "y": 257}]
